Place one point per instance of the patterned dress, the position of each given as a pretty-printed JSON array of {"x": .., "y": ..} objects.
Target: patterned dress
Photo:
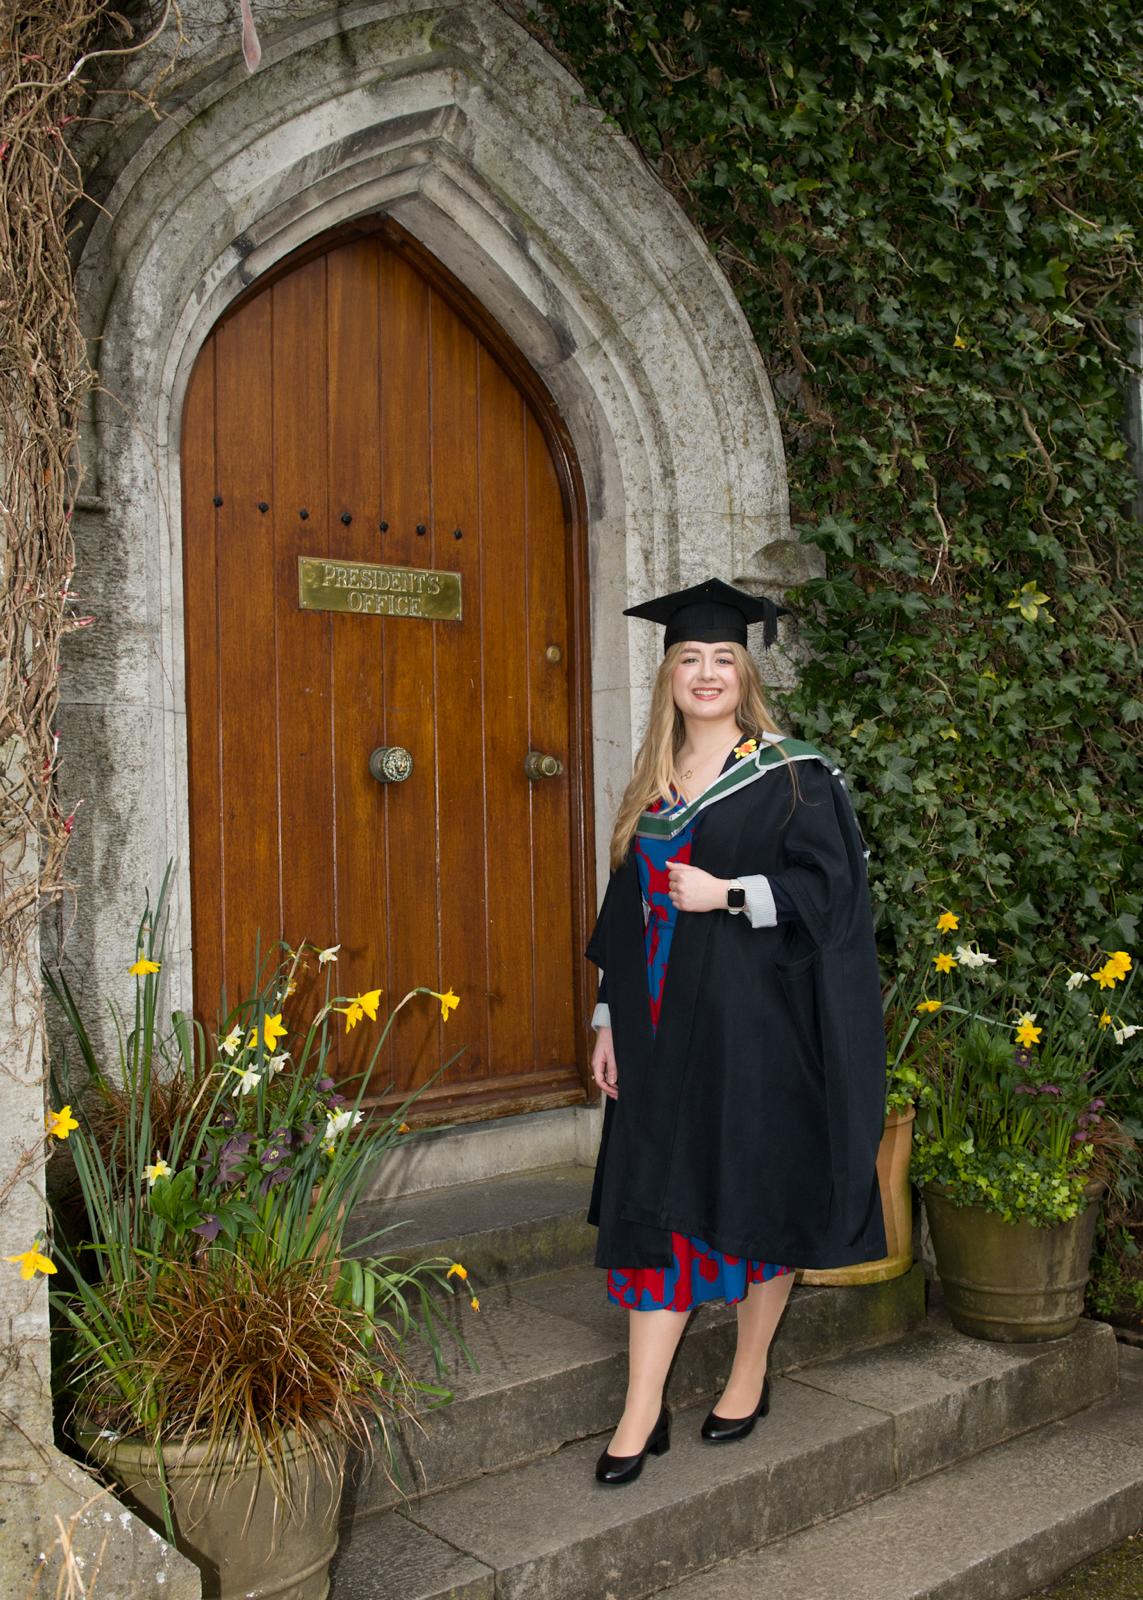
[{"x": 699, "y": 1273}]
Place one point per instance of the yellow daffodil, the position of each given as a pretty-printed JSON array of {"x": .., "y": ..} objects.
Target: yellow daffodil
[
  {"x": 474, "y": 1303},
  {"x": 157, "y": 1170},
  {"x": 60, "y": 1123},
  {"x": 1105, "y": 1020},
  {"x": 1108, "y": 976},
  {"x": 947, "y": 922},
  {"x": 1121, "y": 961},
  {"x": 353, "y": 1015},
  {"x": 328, "y": 954},
  {"x": 404, "y": 1128},
  {"x": 944, "y": 962},
  {"x": 458, "y": 1270},
  {"x": 449, "y": 1002},
  {"x": 959, "y": 343},
  {"x": 31, "y": 1262},
  {"x": 143, "y": 966},
  {"x": 272, "y": 1031},
  {"x": 369, "y": 1003},
  {"x": 930, "y": 1005},
  {"x": 1027, "y": 1034}
]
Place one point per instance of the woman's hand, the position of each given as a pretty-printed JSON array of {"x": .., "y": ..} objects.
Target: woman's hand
[
  {"x": 603, "y": 1068},
  {"x": 692, "y": 889}
]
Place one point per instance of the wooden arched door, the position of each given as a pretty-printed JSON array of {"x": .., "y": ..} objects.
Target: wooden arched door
[{"x": 358, "y": 408}]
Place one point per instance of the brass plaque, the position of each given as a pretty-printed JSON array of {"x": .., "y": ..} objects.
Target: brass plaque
[{"x": 372, "y": 591}]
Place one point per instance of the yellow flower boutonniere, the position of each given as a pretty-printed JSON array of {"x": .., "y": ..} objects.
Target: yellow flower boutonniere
[{"x": 746, "y": 748}]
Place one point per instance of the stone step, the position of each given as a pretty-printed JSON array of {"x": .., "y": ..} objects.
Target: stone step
[
  {"x": 998, "y": 1526},
  {"x": 512, "y": 1226},
  {"x": 552, "y": 1367},
  {"x": 840, "y": 1433}
]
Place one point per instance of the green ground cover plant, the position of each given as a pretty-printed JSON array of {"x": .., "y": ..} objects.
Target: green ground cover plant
[{"x": 931, "y": 217}]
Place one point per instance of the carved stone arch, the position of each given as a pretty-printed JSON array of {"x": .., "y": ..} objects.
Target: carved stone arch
[{"x": 454, "y": 121}]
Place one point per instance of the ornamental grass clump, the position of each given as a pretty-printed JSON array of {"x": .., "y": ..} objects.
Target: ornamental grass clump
[
  {"x": 207, "y": 1291},
  {"x": 1028, "y": 1076}
]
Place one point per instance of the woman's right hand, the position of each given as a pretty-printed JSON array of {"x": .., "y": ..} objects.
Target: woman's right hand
[{"x": 603, "y": 1068}]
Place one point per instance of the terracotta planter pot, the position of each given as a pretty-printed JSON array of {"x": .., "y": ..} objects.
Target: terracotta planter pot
[
  {"x": 228, "y": 1519},
  {"x": 896, "y": 1206},
  {"x": 1011, "y": 1281}
]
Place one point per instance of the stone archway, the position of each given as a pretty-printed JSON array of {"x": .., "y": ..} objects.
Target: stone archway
[{"x": 454, "y": 121}]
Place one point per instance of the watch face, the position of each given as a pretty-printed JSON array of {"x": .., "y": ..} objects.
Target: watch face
[{"x": 736, "y": 898}]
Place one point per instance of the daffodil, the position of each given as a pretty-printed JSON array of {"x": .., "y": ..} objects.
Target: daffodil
[
  {"x": 60, "y": 1123},
  {"x": 272, "y": 1031},
  {"x": 1027, "y": 1034},
  {"x": 1106, "y": 1020},
  {"x": 369, "y": 1003},
  {"x": 973, "y": 957},
  {"x": 930, "y": 1005},
  {"x": 31, "y": 1262},
  {"x": 275, "y": 1064},
  {"x": 947, "y": 922},
  {"x": 248, "y": 1079},
  {"x": 404, "y": 1128},
  {"x": 339, "y": 1122},
  {"x": 1121, "y": 1035},
  {"x": 959, "y": 343},
  {"x": 458, "y": 1270},
  {"x": 449, "y": 1002},
  {"x": 1121, "y": 961},
  {"x": 1108, "y": 976},
  {"x": 474, "y": 1303},
  {"x": 353, "y": 1015},
  {"x": 328, "y": 954},
  {"x": 944, "y": 962},
  {"x": 1076, "y": 979},
  {"x": 143, "y": 966},
  {"x": 229, "y": 1046},
  {"x": 158, "y": 1169}
]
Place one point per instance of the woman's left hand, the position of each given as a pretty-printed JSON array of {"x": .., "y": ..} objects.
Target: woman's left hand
[{"x": 692, "y": 889}]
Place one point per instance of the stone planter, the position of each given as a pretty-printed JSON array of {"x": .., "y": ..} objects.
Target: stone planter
[
  {"x": 896, "y": 1206},
  {"x": 228, "y": 1519},
  {"x": 1009, "y": 1280}
]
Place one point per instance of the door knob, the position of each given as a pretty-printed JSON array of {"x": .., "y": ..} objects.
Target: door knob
[
  {"x": 538, "y": 766},
  {"x": 390, "y": 763}
]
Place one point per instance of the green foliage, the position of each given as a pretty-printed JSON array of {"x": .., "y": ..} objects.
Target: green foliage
[
  {"x": 215, "y": 1179},
  {"x": 931, "y": 217}
]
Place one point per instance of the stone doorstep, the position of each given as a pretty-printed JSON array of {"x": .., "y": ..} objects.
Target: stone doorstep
[
  {"x": 998, "y": 1526},
  {"x": 839, "y": 1434},
  {"x": 513, "y": 1226},
  {"x": 553, "y": 1367}
]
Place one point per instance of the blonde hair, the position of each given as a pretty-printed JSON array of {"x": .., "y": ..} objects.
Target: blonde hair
[{"x": 655, "y": 774}]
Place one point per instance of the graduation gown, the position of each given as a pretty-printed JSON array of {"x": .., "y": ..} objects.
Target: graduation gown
[{"x": 752, "y": 1117}]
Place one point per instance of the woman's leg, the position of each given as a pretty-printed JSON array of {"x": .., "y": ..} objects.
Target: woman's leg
[
  {"x": 653, "y": 1338},
  {"x": 758, "y": 1316}
]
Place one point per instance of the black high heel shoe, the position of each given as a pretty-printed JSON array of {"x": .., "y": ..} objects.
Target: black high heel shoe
[
  {"x": 720, "y": 1430},
  {"x": 625, "y": 1469}
]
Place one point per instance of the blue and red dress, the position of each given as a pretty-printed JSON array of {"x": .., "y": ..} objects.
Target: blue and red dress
[{"x": 699, "y": 1272}]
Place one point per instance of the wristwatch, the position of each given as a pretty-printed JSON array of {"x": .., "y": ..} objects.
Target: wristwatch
[{"x": 735, "y": 896}]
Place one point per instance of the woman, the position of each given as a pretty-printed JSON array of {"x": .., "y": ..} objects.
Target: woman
[{"x": 740, "y": 1044}]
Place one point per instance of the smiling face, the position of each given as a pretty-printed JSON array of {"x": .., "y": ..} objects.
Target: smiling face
[{"x": 705, "y": 682}]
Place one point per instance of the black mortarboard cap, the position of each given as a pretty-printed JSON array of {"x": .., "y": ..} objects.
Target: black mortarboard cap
[{"x": 712, "y": 612}]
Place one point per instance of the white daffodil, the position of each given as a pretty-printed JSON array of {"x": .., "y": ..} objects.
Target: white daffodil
[
  {"x": 1121, "y": 1035},
  {"x": 229, "y": 1045},
  {"x": 247, "y": 1079},
  {"x": 969, "y": 956},
  {"x": 338, "y": 1122},
  {"x": 1076, "y": 979},
  {"x": 1027, "y": 1020},
  {"x": 328, "y": 954},
  {"x": 276, "y": 1063}
]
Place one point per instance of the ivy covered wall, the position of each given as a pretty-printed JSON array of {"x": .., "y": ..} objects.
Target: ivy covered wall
[{"x": 931, "y": 216}]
